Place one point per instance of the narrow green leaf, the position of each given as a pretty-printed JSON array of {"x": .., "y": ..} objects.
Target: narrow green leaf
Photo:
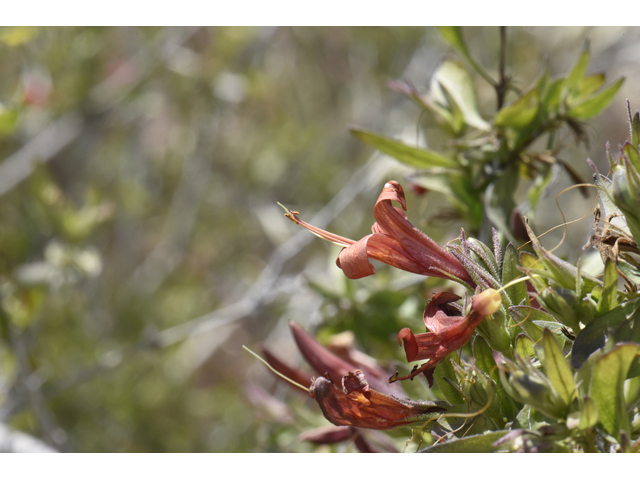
[
  {"x": 635, "y": 130},
  {"x": 561, "y": 302},
  {"x": 483, "y": 443},
  {"x": 590, "y": 84},
  {"x": 632, "y": 154},
  {"x": 579, "y": 69},
  {"x": 441, "y": 114},
  {"x": 589, "y": 414},
  {"x": 608, "y": 299},
  {"x": 415, "y": 157},
  {"x": 517, "y": 292},
  {"x": 622, "y": 321},
  {"x": 445, "y": 371},
  {"x": 524, "y": 347},
  {"x": 453, "y": 35},
  {"x": 624, "y": 196},
  {"x": 551, "y": 98},
  {"x": 458, "y": 123},
  {"x": 520, "y": 113},
  {"x": 483, "y": 356},
  {"x": 453, "y": 77},
  {"x": 607, "y": 387},
  {"x": 557, "y": 369},
  {"x": 596, "y": 102}
]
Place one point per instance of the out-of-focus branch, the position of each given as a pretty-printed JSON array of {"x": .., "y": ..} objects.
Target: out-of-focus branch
[
  {"x": 180, "y": 220},
  {"x": 27, "y": 385},
  {"x": 64, "y": 130}
]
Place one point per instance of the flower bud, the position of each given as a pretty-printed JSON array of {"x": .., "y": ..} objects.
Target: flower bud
[{"x": 486, "y": 303}]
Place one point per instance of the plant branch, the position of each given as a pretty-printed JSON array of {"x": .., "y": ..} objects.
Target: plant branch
[{"x": 502, "y": 85}]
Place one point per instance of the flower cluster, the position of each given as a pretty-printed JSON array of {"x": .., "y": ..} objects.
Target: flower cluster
[{"x": 361, "y": 395}]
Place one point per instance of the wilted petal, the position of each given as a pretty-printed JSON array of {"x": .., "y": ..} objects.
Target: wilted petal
[
  {"x": 439, "y": 314},
  {"x": 321, "y": 359},
  {"x": 356, "y": 387},
  {"x": 382, "y": 413},
  {"x": 324, "y": 361}
]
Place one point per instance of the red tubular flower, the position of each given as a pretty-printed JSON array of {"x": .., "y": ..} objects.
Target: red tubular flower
[
  {"x": 357, "y": 405},
  {"x": 394, "y": 241},
  {"x": 447, "y": 333}
]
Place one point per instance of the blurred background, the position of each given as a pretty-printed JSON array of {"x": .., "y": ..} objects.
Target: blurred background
[{"x": 140, "y": 240}]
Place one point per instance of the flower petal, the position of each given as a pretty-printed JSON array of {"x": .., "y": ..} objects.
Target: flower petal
[
  {"x": 354, "y": 260},
  {"x": 416, "y": 244}
]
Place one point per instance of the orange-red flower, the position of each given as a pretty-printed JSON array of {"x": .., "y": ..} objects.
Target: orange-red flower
[
  {"x": 394, "y": 241},
  {"x": 447, "y": 332},
  {"x": 357, "y": 405}
]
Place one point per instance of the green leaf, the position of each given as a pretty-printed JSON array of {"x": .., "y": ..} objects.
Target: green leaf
[
  {"x": 632, "y": 154},
  {"x": 453, "y": 35},
  {"x": 524, "y": 347},
  {"x": 557, "y": 369},
  {"x": 596, "y": 102},
  {"x": 444, "y": 371},
  {"x": 621, "y": 321},
  {"x": 590, "y": 84},
  {"x": 453, "y": 77},
  {"x": 517, "y": 292},
  {"x": 608, "y": 300},
  {"x": 474, "y": 444},
  {"x": 561, "y": 302},
  {"x": 607, "y": 387},
  {"x": 483, "y": 356},
  {"x": 551, "y": 98},
  {"x": 625, "y": 196},
  {"x": 457, "y": 122},
  {"x": 452, "y": 121},
  {"x": 579, "y": 69},
  {"x": 415, "y": 157},
  {"x": 520, "y": 113},
  {"x": 635, "y": 130},
  {"x": 589, "y": 414}
]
